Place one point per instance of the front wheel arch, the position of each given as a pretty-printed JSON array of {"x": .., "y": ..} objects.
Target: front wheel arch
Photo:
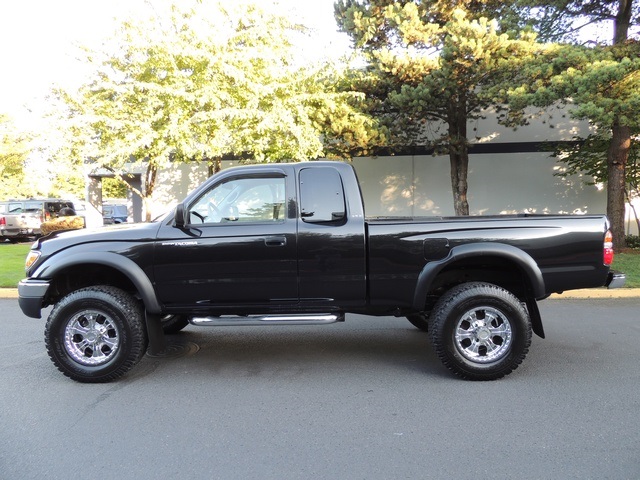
[{"x": 76, "y": 265}]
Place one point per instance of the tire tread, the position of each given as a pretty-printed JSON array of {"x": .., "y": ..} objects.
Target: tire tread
[
  {"x": 439, "y": 317},
  {"x": 137, "y": 335}
]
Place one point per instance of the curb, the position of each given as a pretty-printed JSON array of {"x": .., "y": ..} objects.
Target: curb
[
  {"x": 598, "y": 293},
  {"x": 573, "y": 294}
]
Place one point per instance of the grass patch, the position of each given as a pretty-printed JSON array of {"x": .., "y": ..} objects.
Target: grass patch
[
  {"x": 628, "y": 263},
  {"x": 12, "y": 263}
]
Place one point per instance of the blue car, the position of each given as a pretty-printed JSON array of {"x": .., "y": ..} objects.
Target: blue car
[{"x": 114, "y": 214}]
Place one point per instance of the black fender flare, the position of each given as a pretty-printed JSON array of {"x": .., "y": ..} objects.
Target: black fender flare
[
  {"x": 470, "y": 250},
  {"x": 123, "y": 264}
]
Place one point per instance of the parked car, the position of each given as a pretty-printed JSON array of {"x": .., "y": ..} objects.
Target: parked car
[
  {"x": 114, "y": 213},
  {"x": 3, "y": 220},
  {"x": 23, "y": 218}
]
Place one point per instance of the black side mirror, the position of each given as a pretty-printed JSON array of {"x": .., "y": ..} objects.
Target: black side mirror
[{"x": 179, "y": 220}]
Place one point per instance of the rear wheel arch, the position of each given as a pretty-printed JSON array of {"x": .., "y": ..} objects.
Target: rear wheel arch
[{"x": 500, "y": 264}]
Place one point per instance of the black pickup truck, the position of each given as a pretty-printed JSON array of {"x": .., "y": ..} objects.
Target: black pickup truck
[{"x": 290, "y": 244}]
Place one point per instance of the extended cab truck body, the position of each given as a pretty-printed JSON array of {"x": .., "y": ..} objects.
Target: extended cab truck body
[{"x": 288, "y": 244}]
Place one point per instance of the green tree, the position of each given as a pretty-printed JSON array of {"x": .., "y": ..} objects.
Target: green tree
[
  {"x": 114, "y": 188},
  {"x": 603, "y": 84},
  {"x": 434, "y": 63},
  {"x": 201, "y": 84},
  {"x": 14, "y": 152}
]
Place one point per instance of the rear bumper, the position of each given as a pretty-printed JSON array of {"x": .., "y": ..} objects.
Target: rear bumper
[
  {"x": 17, "y": 232},
  {"x": 30, "y": 296},
  {"x": 616, "y": 279}
]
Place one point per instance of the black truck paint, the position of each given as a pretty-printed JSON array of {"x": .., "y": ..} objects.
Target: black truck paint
[{"x": 290, "y": 243}]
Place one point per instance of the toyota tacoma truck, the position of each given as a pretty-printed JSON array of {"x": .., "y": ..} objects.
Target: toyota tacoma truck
[{"x": 290, "y": 244}]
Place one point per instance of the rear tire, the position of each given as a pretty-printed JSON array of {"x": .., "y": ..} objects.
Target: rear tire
[
  {"x": 480, "y": 331},
  {"x": 96, "y": 334},
  {"x": 419, "y": 320}
]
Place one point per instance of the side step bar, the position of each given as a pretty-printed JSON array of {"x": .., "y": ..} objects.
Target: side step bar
[{"x": 252, "y": 320}]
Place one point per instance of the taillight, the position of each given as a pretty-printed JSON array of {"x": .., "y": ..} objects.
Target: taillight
[
  {"x": 3, "y": 221},
  {"x": 608, "y": 248}
]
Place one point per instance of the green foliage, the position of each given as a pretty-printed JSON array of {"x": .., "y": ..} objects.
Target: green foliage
[
  {"x": 434, "y": 66},
  {"x": 606, "y": 89},
  {"x": 14, "y": 151},
  {"x": 114, "y": 188},
  {"x": 633, "y": 242},
  {"x": 599, "y": 83},
  {"x": 201, "y": 83}
]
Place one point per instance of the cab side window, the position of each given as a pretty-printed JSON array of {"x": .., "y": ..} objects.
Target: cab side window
[
  {"x": 241, "y": 200},
  {"x": 321, "y": 196}
]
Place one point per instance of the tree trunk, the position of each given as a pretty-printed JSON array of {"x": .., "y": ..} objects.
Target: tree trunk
[
  {"x": 618, "y": 153},
  {"x": 617, "y": 157},
  {"x": 622, "y": 21},
  {"x": 459, "y": 158},
  {"x": 149, "y": 186},
  {"x": 214, "y": 165},
  {"x": 459, "y": 170}
]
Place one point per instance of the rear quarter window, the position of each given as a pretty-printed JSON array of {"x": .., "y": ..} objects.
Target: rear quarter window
[{"x": 321, "y": 196}]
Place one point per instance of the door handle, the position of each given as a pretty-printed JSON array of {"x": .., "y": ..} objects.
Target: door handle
[{"x": 275, "y": 241}]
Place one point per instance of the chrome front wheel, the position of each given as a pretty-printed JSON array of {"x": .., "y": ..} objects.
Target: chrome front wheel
[
  {"x": 92, "y": 337},
  {"x": 96, "y": 334}
]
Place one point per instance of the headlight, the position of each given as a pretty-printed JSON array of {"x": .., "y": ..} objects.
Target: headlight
[{"x": 32, "y": 256}]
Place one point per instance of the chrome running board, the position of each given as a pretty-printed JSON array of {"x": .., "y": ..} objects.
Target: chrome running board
[{"x": 252, "y": 320}]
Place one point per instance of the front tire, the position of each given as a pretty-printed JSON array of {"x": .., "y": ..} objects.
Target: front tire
[
  {"x": 480, "y": 331},
  {"x": 96, "y": 334}
]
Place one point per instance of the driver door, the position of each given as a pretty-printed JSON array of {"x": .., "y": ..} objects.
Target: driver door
[{"x": 238, "y": 248}]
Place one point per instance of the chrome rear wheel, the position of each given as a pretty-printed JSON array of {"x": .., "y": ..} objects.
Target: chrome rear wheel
[
  {"x": 480, "y": 331},
  {"x": 483, "y": 335}
]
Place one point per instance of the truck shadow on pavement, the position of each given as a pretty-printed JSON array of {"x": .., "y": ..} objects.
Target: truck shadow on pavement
[{"x": 300, "y": 350}]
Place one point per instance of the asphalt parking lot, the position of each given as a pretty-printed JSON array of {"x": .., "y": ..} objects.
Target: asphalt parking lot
[{"x": 366, "y": 399}]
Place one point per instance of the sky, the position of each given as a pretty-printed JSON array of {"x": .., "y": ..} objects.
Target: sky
[{"x": 38, "y": 40}]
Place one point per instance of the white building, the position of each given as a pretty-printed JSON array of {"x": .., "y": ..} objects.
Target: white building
[{"x": 510, "y": 171}]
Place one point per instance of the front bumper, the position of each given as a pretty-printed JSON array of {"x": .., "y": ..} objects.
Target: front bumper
[
  {"x": 616, "y": 279},
  {"x": 31, "y": 293}
]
